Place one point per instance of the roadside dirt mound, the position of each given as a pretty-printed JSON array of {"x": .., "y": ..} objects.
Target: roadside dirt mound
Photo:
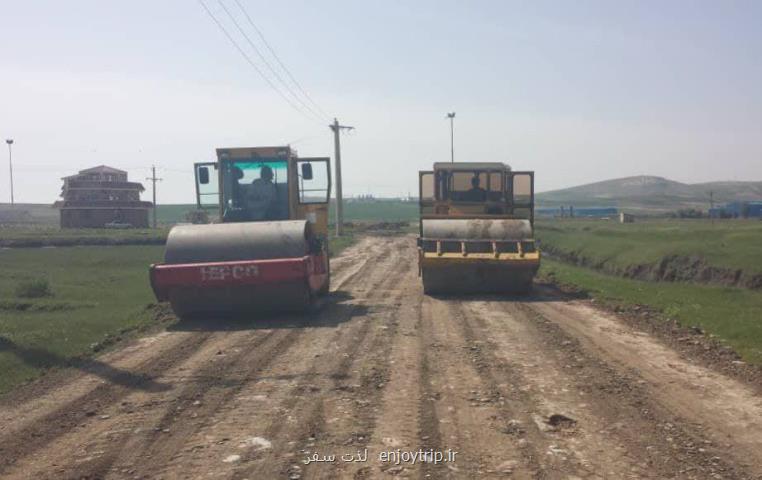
[
  {"x": 691, "y": 341},
  {"x": 673, "y": 268}
]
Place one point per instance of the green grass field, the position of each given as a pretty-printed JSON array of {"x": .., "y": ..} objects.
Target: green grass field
[
  {"x": 35, "y": 235},
  {"x": 732, "y": 314},
  {"x": 43, "y": 219},
  {"x": 378, "y": 211},
  {"x": 98, "y": 292},
  {"x": 31, "y": 236},
  {"x": 730, "y": 244}
]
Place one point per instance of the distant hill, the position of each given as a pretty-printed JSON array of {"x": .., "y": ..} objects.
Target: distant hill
[{"x": 650, "y": 193}]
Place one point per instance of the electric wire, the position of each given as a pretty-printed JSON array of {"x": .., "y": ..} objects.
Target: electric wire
[
  {"x": 252, "y": 63},
  {"x": 277, "y": 59},
  {"x": 267, "y": 64}
]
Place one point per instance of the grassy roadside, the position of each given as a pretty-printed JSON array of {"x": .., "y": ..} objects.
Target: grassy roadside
[
  {"x": 98, "y": 294},
  {"x": 732, "y": 244},
  {"x": 373, "y": 211},
  {"x": 338, "y": 244},
  {"x": 388, "y": 210},
  {"x": 731, "y": 314},
  {"x": 49, "y": 236}
]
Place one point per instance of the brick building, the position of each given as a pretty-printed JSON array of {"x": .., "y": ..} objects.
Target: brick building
[{"x": 98, "y": 196}]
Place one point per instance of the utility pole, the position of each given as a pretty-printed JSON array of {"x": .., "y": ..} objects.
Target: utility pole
[
  {"x": 451, "y": 116},
  {"x": 153, "y": 180},
  {"x": 336, "y": 128},
  {"x": 711, "y": 205},
  {"x": 9, "y": 141}
]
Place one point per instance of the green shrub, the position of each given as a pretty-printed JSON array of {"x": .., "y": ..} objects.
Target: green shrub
[{"x": 36, "y": 288}]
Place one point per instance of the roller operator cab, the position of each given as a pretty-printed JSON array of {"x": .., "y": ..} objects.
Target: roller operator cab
[
  {"x": 476, "y": 229},
  {"x": 270, "y": 249}
]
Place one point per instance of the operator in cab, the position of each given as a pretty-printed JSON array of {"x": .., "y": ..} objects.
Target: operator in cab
[
  {"x": 476, "y": 193},
  {"x": 261, "y": 195}
]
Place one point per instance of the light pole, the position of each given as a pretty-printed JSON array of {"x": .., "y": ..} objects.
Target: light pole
[
  {"x": 451, "y": 116},
  {"x": 9, "y": 141}
]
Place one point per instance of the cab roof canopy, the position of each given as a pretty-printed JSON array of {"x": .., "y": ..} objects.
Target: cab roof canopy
[
  {"x": 471, "y": 166},
  {"x": 256, "y": 152}
]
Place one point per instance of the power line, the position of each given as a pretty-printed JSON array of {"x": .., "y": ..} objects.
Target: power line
[
  {"x": 277, "y": 59},
  {"x": 176, "y": 170},
  {"x": 277, "y": 76},
  {"x": 251, "y": 62},
  {"x": 301, "y": 139}
]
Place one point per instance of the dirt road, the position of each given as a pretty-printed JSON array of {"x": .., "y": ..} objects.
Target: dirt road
[{"x": 537, "y": 387}]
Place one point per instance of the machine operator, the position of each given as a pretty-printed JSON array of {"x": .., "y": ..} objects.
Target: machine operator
[
  {"x": 476, "y": 193},
  {"x": 261, "y": 195}
]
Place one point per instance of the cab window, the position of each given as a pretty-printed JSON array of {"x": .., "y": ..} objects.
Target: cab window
[
  {"x": 314, "y": 180},
  {"x": 255, "y": 190},
  {"x": 470, "y": 186}
]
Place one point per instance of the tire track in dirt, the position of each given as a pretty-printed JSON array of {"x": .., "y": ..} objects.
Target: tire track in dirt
[
  {"x": 220, "y": 383},
  {"x": 157, "y": 454},
  {"x": 33, "y": 401},
  {"x": 505, "y": 388},
  {"x": 315, "y": 422},
  {"x": 547, "y": 409},
  {"x": 210, "y": 389},
  {"x": 355, "y": 252},
  {"x": 67, "y": 383},
  {"x": 324, "y": 319},
  {"x": 306, "y": 423},
  {"x": 477, "y": 415},
  {"x": 607, "y": 424},
  {"x": 95, "y": 444},
  {"x": 62, "y": 420},
  {"x": 429, "y": 435},
  {"x": 269, "y": 396},
  {"x": 396, "y": 425},
  {"x": 669, "y": 444},
  {"x": 356, "y": 396}
]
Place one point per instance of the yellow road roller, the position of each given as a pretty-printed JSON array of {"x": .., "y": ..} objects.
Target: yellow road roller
[
  {"x": 269, "y": 251},
  {"x": 476, "y": 229}
]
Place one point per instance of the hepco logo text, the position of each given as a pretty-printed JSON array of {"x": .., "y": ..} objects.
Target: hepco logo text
[{"x": 221, "y": 273}]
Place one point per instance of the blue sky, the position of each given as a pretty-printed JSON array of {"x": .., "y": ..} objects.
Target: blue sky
[{"x": 577, "y": 91}]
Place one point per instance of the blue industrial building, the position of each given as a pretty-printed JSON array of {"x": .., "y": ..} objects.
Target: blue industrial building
[
  {"x": 738, "y": 210},
  {"x": 572, "y": 211}
]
